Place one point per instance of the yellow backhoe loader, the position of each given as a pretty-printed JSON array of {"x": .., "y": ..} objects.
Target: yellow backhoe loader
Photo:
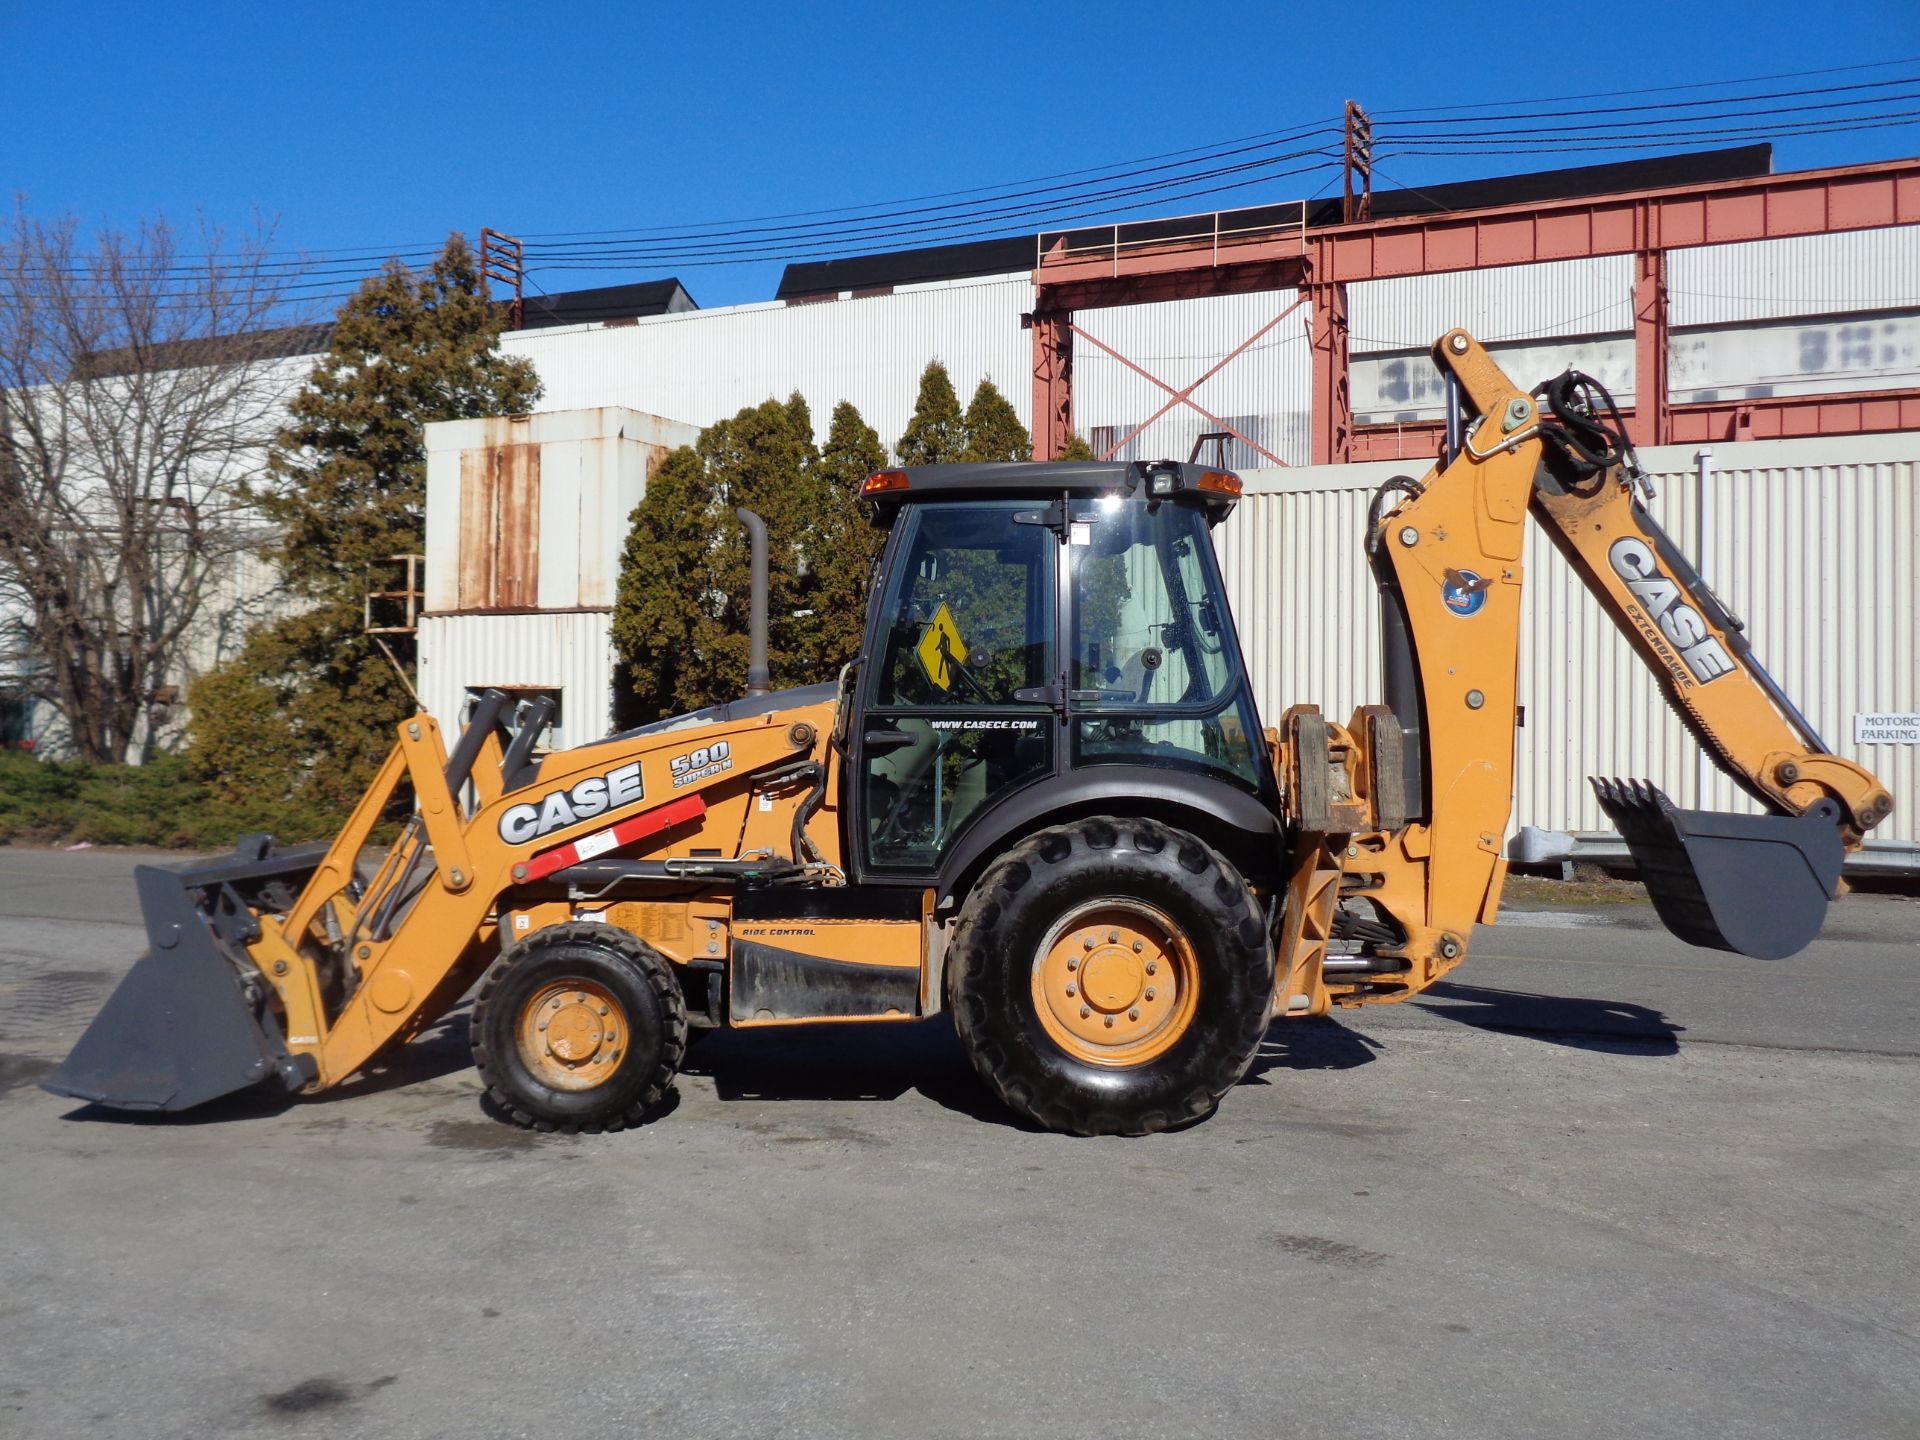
[{"x": 1041, "y": 799}]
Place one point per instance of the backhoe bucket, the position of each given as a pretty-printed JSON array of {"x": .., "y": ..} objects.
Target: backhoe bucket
[
  {"x": 184, "y": 1027},
  {"x": 1754, "y": 884}
]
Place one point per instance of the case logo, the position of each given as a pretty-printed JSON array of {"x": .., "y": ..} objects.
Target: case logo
[
  {"x": 1674, "y": 621},
  {"x": 595, "y": 795}
]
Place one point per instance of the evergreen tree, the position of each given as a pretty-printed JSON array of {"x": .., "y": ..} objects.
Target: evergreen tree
[
  {"x": 663, "y": 584},
  {"x": 994, "y": 431},
  {"x": 937, "y": 433},
  {"x": 681, "y": 614},
  {"x": 848, "y": 542},
  {"x": 306, "y": 711},
  {"x": 1076, "y": 448}
]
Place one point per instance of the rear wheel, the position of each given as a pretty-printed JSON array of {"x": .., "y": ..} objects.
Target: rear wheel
[
  {"x": 1112, "y": 977},
  {"x": 579, "y": 1027}
]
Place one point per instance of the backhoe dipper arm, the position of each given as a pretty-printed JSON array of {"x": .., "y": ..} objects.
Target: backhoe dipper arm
[
  {"x": 1448, "y": 556},
  {"x": 1698, "y": 650}
]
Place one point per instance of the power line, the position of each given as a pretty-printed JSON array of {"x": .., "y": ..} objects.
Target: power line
[
  {"x": 1893, "y": 121},
  {"x": 1678, "y": 125},
  {"x": 1275, "y": 137},
  {"x": 1657, "y": 89},
  {"x": 867, "y": 233},
  {"x": 954, "y": 230},
  {"x": 855, "y": 224},
  {"x": 1098, "y": 192}
]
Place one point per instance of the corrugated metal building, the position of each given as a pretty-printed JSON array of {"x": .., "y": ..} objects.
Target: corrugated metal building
[
  {"x": 1801, "y": 316},
  {"x": 526, "y": 517}
]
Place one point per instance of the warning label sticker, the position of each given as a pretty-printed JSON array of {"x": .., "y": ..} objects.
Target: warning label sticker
[{"x": 941, "y": 650}]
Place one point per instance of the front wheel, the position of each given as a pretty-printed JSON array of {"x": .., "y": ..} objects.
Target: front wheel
[
  {"x": 579, "y": 1027},
  {"x": 1112, "y": 977}
]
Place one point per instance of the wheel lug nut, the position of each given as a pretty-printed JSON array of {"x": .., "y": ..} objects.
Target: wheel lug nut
[
  {"x": 1072, "y": 990},
  {"x": 1086, "y": 944},
  {"x": 541, "y": 1026},
  {"x": 1109, "y": 1022},
  {"x": 1073, "y": 964},
  {"x": 1138, "y": 947},
  {"x": 1134, "y": 1014},
  {"x": 1085, "y": 1012},
  {"x": 1113, "y": 937},
  {"x": 1152, "y": 969},
  {"x": 581, "y": 997},
  {"x": 1149, "y": 992},
  {"x": 609, "y": 1035},
  {"x": 603, "y": 1009}
]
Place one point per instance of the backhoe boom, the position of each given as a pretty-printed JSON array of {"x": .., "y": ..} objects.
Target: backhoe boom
[{"x": 1448, "y": 554}]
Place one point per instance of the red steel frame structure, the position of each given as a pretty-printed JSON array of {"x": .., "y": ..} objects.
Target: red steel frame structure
[{"x": 1321, "y": 263}]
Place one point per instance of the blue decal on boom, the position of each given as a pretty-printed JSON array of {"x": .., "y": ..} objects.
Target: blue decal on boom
[{"x": 1466, "y": 595}]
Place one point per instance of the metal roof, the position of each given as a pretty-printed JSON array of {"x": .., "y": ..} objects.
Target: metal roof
[{"x": 820, "y": 279}]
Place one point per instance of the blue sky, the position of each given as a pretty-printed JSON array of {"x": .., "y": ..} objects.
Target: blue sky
[{"x": 384, "y": 126}]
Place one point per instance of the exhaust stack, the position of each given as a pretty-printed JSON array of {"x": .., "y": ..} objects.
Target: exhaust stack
[{"x": 759, "y": 680}]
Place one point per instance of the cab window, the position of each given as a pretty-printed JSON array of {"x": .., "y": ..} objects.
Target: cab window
[
  {"x": 967, "y": 625},
  {"x": 970, "y": 617},
  {"x": 1157, "y": 676}
]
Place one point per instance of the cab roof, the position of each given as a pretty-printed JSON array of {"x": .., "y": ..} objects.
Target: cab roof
[{"x": 1169, "y": 479}]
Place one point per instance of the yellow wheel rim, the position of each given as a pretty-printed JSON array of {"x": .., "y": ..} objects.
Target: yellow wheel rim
[
  {"x": 1116, "y": 983},
  {"x": 573, "y": 1034}
]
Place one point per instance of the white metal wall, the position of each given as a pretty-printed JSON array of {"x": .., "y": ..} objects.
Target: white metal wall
[
  {"x": 1802, "y": 275},
  {"x": 1514, "y": 302},
  {"x": 1815, "y": 543},
  {"x": 571, "y": 652},
  {"x": 594, "y": 466},
  {"x": 1536, "y": 319},
  {"x": 708, "y": 364}
]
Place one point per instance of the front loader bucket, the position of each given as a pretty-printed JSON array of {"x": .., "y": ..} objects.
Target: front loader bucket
[
  {"x": 182, "y": 1028},
  {"x": 1754, "y": 884}
]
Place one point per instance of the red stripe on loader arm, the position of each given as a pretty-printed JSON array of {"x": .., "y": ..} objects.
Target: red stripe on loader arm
[{"x": 664, "y": 817}]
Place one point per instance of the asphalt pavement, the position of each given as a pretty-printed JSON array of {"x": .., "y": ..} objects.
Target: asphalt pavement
[{"x": 1599, "y": 1185}]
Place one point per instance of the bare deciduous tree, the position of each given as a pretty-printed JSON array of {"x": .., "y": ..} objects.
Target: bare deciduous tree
[{"x": 140, "y": 381}]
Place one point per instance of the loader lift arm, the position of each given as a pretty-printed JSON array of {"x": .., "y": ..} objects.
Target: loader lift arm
[{"x": 1403, "y": 810}]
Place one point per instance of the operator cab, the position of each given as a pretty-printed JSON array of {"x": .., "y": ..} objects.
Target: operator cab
[{"x": 1036, "y": 622}]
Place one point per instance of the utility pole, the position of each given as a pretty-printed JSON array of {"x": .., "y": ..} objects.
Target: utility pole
[
  {"x": 1358, "y": 160},
  {"x": 504, "y": 259}
]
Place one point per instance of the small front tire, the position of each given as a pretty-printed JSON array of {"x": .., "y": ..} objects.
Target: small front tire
[{"x": 579, "y": 1027}]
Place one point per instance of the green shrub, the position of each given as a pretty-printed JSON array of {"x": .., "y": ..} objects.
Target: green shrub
[{"x": 158, "y": 804}]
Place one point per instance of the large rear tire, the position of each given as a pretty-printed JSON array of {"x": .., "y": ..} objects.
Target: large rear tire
[
  {"x": 1112, "y": 977},
  {"x": 579, "y": 1027}
]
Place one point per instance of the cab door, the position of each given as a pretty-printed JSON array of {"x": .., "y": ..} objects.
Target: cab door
[{"x": 963, "y": 664}]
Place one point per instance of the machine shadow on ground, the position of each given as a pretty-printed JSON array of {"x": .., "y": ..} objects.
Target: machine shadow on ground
[
  {"x": 1611, "y": 1026},
  {"x": 1318, "y": 1044},
  {"x": 855, "y": 1062}
]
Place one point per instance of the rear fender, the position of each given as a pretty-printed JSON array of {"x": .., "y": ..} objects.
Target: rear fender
[{"x": 1235, "y": 823}]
